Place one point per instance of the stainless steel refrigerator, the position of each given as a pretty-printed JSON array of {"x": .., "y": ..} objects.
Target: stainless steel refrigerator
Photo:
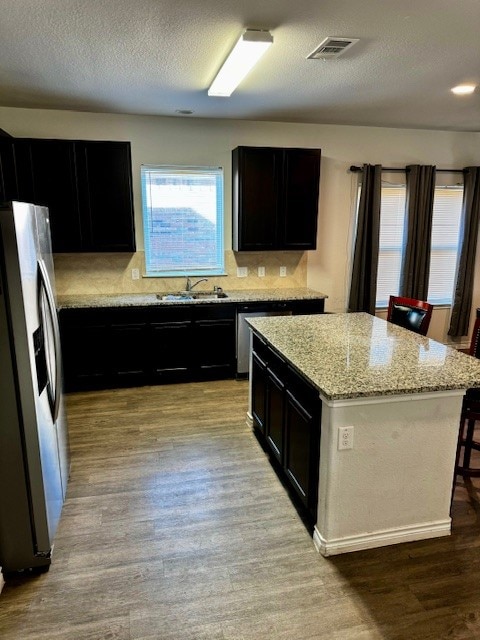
[{"x": 34, "y": 459}]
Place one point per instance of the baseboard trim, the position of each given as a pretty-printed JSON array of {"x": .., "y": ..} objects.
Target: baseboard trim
[{"x": 380, "y": 538}]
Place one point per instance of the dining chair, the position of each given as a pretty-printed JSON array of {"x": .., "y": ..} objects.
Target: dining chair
[
  {"x": 410, "y": 313},
  {"x": 470, "y": 414}
]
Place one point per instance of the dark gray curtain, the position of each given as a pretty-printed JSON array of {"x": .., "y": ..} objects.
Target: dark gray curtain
[
  {"x": 363, "y": 286},
  {"x": 418, "y": 231},
  {"x": 462, "y": 301}
]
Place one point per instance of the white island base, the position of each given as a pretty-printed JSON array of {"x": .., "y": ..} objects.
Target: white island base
[{"x": 395, "y": 484}]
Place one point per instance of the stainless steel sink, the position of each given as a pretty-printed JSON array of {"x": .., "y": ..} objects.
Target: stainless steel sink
[{"x": 191, "y": 295}]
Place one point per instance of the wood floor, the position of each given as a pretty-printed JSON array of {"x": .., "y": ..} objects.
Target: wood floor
[{"x": 176, "y": 528}]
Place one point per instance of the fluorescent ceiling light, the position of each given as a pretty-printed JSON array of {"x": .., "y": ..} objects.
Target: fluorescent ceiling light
[
  {"x": 245, "y": 54},
  {"x": 463, "y": 89}
]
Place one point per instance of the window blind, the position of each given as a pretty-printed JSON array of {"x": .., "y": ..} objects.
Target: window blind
[
  {"x": 447, "y": 208},
  {"x": 183, "y": 220},
  {"x": 392, "y": 215},
  {"x": 447, "y": 211}
]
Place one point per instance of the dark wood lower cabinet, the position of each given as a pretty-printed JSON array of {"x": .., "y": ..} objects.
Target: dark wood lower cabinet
[
  {"x": 259, "y": 392},
  {"x": 274, "y": 427},
  {"x": 170, "y": 347},
  {"x": 214, "y": 341},
  {"x": 286, "y": 413},
  {"x": 127, "y": 362},
  {"x": 126, "y": 346},
  {"x": 105, "y": 347},
  {"x": 302, "y": 449},
  {"x": 85, "y": 350}
]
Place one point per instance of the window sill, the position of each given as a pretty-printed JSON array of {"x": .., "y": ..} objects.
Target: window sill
[{"x": 191, "y": 274}]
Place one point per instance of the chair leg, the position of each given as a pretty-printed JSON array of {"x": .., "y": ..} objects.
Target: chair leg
[{"x": 468, "y": 443}]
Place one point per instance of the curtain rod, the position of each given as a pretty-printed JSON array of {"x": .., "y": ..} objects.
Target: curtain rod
[{"x": 355, "y": 169}]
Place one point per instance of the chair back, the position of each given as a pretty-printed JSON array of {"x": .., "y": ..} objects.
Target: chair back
[
  {"x": 410, "y": 313},
  {"x": 475, "y": 342}
]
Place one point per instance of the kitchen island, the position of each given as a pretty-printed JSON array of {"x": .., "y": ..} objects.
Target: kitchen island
[{"x": 388, "y": 417}]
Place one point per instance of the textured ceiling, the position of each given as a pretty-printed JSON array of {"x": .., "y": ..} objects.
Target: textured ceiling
[{"x": 158, "y": 56}]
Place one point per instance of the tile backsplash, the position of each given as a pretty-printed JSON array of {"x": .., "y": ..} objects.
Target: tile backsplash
[{"x": 91, "y": 273}]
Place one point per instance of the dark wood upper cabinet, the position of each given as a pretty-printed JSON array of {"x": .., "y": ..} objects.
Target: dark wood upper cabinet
[
  {"x": 104, "y": 176},
  {"x": 87, "y": 186},
  {"x": 55, "y": 186},
  {"x": 301, "y": 180},
  {"x": 8, "y": 175},
  {"x": 275, "y": 198}
]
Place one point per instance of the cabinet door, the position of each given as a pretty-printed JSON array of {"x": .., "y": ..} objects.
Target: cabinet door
[
  {"x": 8, "y": 174},
  {"x": 306, "y": 307},
  {"x": 85, "y": 350},
  {"x": 16, "y": 178},
  {"x": 299, "y": 440},
  {"x": 259, "y": 392},
  {"x": 170, "y": 347},
  {"x": 128, "y": 353},
  {"x": 300, "y": 199},
  {"x": 275, "y": 415},
  {"x": 256, "y": 175},
  {"x": 104, "y": 174},
  {"x": 54, "y": 185},
  {"x": 214, "y": 341}
]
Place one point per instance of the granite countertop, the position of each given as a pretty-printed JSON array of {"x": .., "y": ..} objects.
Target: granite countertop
[
  {"x": 357, "y": 355},
  {"x": 150, "y": 299}
]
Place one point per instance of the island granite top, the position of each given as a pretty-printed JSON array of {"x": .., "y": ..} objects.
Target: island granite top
[
  {"x": 357, "y": 355},
  {"x": 150, "y": 299}
]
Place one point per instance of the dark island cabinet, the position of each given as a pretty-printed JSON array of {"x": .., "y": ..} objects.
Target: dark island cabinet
[
  {"x": 259, "y": 391},
  {"x": 302, "y": 439},
  {"x": 286, "y": 413},
  {"x": 87, "y": 186},
  {"x": 274, "y": 427},
  {"x": 275, "y": 198},
  {"x": 117, "y": 347}
]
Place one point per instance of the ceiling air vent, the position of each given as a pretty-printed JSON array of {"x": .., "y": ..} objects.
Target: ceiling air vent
[{"x": 332, "y": 48}]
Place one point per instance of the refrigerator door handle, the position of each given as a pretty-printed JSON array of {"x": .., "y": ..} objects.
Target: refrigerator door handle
[{"x": 52, "y": 309}]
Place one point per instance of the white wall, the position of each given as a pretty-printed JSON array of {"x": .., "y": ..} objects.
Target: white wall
[{"x": 185, "y": 140}]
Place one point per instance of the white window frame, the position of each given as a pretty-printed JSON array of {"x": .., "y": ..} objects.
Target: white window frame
[{"x": 207, "y": 206}]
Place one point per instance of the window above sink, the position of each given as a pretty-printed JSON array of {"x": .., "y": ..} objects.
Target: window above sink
[{"x": 183, "y": 220}]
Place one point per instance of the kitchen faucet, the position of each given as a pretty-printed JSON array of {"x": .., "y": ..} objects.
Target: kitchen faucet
[{"x": 189, "y": 286}]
